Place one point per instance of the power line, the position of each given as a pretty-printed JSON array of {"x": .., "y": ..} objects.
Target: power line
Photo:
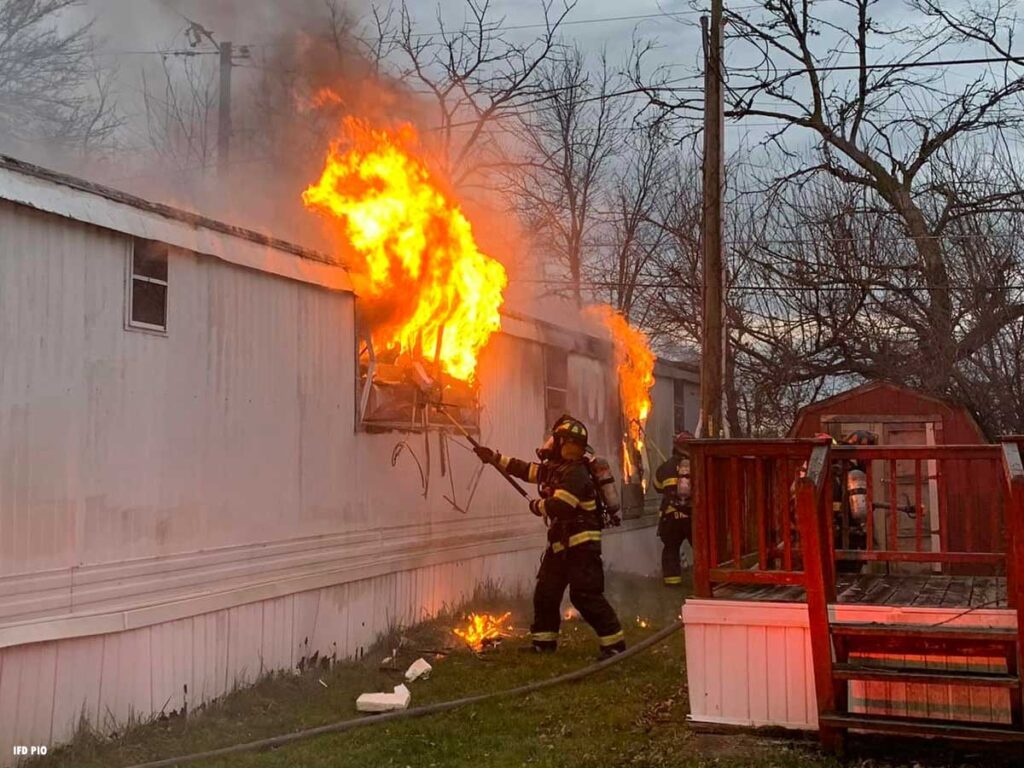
[
  {"x": 874, "y": 287},
  {"x": 904, "y": 65}
]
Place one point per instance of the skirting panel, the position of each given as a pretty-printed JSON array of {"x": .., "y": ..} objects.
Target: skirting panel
[
  {"x": 46, "y": 688},
  {"x": 749, "y": 664}
]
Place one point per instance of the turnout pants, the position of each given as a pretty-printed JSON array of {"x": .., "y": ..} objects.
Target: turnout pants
[
  {"x": 580, "y": 568},
  {"x": 673, "y": 531}
]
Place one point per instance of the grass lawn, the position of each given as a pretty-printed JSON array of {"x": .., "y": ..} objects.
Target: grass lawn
[{"x": 630, "y": 715}]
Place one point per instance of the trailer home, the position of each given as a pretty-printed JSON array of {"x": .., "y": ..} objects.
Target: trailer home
[{"x": 200, "y": 479}]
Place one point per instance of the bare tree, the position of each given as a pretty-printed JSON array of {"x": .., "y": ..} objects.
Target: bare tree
[
  {"x": 567, "y": 145},
  {"x": 51, "y": 89},
  {"x": 476, "y": 76},
  {"x": 898, "y": 267},
  {"x": 181, "y": 122},
  {"x": 638, "y": 184}
]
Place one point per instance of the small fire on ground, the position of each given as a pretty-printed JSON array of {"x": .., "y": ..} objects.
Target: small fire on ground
[
  {"x": 482, "y": 630},
  {"x": 642, "y": 622}
]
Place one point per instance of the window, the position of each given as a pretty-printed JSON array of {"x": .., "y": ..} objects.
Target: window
[
  {"x": 396, "y": 393},
  {"x": 556, "y": 384},
  {"x": 679, "y": 404},
  {"x": 147, "y": 286}
]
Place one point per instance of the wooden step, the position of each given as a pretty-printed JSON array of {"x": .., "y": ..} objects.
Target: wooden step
[
  {"x": 924, "y": 638},
  {"x": 915, "y": 726},
  {"x": 918, "y": 675}
]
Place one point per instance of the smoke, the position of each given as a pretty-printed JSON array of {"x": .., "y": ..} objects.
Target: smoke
[{"x": 163, "y": 67}]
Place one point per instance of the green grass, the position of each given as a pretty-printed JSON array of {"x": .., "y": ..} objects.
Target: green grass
[{"x": 630, "y": 715}]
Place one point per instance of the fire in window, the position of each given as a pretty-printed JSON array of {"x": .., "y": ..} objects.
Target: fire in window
[
  {"x": 411, "y": 392},
  {"x": 147, "y": 285}
]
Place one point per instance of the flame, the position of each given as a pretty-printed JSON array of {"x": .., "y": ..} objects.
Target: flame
[
  {"x": 418, "y": 272},
  {"x": 570, "y": 614},
  {"x": 480, "y": 628},
  {"x": 635, "y": 364},
  {"x": 642, "y": 622}
]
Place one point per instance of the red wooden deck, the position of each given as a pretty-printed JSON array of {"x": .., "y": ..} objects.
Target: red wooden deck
[{"x": 763, "y": 530}]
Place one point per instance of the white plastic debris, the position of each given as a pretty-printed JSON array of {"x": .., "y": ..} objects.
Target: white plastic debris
[
  {"x": 384, "y": 702},
  {"x": 419, "y": 668}
]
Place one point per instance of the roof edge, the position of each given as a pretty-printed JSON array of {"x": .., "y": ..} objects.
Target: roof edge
[{"x": 168, "y": 211}]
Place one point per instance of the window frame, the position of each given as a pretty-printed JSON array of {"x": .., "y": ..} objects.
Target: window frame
[
  {"x": 550, "y": 352},
  {"x": 364, "y": 422},
  {"x": 131, "y": 324}
]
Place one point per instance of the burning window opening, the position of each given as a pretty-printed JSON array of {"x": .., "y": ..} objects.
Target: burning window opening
[
  {"x": 401, "y": 392},
  {"x": 429, "y": 298}
]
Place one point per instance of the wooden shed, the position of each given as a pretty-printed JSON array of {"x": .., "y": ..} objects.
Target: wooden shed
[{"x": 962, "y": 502}]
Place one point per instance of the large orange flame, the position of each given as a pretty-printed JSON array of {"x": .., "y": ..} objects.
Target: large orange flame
[
  {"x": 634, "y": 361},
  {"x": 635, "y": 365},
  {"x": 418, "y": 272}
]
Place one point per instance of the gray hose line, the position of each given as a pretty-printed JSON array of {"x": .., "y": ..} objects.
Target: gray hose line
[{"x": 428, "y": 709}]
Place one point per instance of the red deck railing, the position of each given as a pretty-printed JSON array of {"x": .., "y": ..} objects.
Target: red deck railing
[
  {"x": 930, "y": 508},
  {"x": 764, "y": 514}
]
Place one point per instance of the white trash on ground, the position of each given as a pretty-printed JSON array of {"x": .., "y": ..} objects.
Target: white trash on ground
[
  {"x": 419, "y": 668},
  {"x": 384, "y": 702}
]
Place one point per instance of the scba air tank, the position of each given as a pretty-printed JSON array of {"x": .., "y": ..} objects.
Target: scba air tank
[
  {"x": 857, "y": 492},
  {"x": 601, "y": 471},
  {"x": 683, "y": 488}
]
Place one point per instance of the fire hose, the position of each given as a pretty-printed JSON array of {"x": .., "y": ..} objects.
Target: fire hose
[{"x": 428, "y": 709}]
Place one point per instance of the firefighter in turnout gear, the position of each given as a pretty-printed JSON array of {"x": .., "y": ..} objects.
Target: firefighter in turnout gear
[
  {"x": 672, "y": 481},
  {"x": 570, "y": 508},
  {"x": 850, "y": 502}
]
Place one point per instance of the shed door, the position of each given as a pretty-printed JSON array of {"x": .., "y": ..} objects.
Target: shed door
[{"x": 903, "y": 432}]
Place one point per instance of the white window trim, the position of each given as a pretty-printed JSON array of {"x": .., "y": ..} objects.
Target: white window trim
[{"x": 130, "y": 278}]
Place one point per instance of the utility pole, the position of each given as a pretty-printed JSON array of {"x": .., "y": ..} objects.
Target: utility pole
[
  {"x": 224, "y": 111},
  {"x": 711, "y": 360}
]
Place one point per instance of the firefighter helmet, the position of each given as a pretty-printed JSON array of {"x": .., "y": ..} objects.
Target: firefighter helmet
[
  {"x": 679, "y": 441},
  {"x": 861, "y": 437},
  {"x": 570, "y": 430}
]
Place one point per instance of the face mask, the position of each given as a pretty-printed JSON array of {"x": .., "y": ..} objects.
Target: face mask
[{"x": 547, "y": 451}]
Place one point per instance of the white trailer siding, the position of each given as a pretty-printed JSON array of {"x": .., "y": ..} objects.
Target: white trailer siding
[{"x": 195, "y": 508}]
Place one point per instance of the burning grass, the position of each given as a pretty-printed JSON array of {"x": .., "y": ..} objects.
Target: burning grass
[{"x": 483, "y": 630}]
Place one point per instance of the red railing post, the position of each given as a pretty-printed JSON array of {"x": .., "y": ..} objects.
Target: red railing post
[
  {"x": 1014, "y": 472},
  {"x": 815, "y": 519},
  {"x": 701, "y": 524}
]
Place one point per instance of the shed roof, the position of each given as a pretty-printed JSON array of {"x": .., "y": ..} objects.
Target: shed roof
[{"x": 940, "y": 404}]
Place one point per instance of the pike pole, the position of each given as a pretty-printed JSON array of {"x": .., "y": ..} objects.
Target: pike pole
[{"x": 522, "y": 492}]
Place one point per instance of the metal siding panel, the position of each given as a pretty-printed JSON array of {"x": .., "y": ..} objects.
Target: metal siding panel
[
  {"x": 209, "y": 656},
  {"x": 171, "y": 662},
  {"x": 79, "y": 675},
  {"x": 124, "y": 691},
  {"x": 245, "y": 645},
  {"x": 27, "y": 695},
  {"x": 278, "y": 649}
]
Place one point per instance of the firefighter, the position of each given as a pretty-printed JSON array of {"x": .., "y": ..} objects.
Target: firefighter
[
  {"x": 672, "y": 481},
  {"x": 569, "y": 507},
  {"x": 854, "y": 507}
]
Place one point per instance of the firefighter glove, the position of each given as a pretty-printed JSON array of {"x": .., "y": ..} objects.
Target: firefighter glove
[
  {"x": 485, "y": 454},
  {"x": 536, "y": 508}
]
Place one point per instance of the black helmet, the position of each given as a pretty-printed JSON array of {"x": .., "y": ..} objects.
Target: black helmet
[{"x": 570, "y": 430}]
